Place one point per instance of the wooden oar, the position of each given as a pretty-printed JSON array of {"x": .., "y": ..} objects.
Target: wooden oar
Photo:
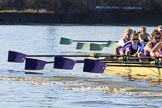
[{"x": 66, "y": 41}]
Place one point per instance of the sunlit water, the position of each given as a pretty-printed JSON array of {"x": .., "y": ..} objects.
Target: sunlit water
[{"x": 55, "y": 88}]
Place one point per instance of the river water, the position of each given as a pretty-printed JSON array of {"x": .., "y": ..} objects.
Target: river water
[{"x": 55, "y": 88}]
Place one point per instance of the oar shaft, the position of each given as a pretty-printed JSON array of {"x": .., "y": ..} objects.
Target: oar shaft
[
  {"x": 58, "y": 55},
  {"x": 90, "y": 41},
  {"x": 77, "y": 61},
  {"x": 89, "y": 55},
  {"x": 95, "y": 55},
  {"x": 120, "y": 63},
  {"x": 87, "y": 41}
]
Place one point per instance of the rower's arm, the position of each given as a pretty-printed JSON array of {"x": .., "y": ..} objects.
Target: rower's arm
[
  {"x": 155, "y": 49},
  {"x": 140, "y": 38},
  {"x": 149, "y": 37},
  {"x": 148, "y": 47},
  {"x": 122, "y": 49}
]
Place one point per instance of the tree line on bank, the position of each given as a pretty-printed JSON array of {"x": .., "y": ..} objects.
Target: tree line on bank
[{"x": 76, "y": 6}]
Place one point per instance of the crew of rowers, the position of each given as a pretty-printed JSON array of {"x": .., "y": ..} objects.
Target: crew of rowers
[{"x": 140, "y": 44}]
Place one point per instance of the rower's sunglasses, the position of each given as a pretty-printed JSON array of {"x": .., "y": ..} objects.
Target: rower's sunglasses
[
  {"x": 129, "y": 33},
  {"x": 135, "y": 39},
  {"x": 156, "y": 37}
]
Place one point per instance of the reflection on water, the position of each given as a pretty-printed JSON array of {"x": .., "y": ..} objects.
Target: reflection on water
[{"x": 67, "y": 88}]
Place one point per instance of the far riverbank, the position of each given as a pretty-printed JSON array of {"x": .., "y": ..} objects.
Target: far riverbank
[{"x": 111, "y": 18}]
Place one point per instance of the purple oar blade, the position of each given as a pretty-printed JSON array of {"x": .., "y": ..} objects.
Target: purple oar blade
[
  {"x": 63, "y": 63},
  {"x": 93, "y": 66},
  {"x": 34, "y": 64},
  {"x": 16, "y": 57}
]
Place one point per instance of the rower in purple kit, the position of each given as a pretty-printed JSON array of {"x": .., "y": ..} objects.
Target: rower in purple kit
[
  {"x": 156, "y": 52},
  {"x": 132, "y": 47},
  {"x": 155, "y": 36}
]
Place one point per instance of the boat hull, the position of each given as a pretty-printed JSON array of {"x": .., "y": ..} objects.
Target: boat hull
[{"x": 142, "y": 71}]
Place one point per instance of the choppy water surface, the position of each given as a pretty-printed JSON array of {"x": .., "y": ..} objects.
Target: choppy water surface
[{"x": 67, "y": 88}]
